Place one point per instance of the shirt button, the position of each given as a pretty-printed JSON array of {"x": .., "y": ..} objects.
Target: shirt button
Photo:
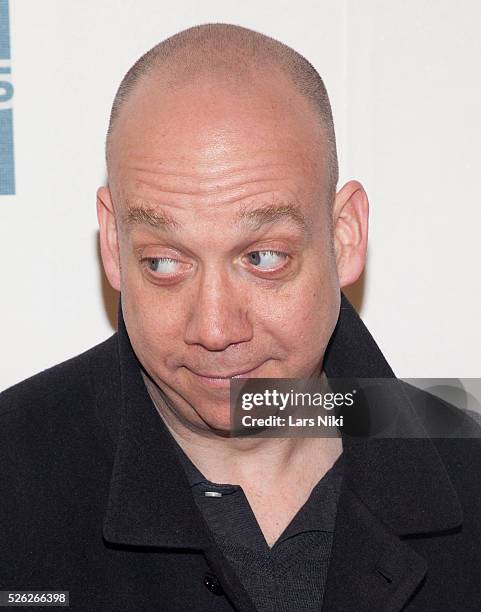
[{"x": 213, "y": 584}]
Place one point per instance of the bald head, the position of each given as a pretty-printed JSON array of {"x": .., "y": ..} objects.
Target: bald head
[{"x": 237, "y": 58}]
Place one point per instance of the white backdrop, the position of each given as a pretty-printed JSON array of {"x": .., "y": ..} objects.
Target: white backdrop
[{"x": 403, "y": 78}]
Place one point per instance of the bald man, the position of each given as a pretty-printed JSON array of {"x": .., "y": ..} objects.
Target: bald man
[{"x": 225, "y": 233}]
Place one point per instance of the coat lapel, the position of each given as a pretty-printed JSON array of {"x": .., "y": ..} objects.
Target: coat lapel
[
  {"x": 371, "y": 569},
  {"x": 150, "y": 503},
  {"x": 393, "y": 488}
]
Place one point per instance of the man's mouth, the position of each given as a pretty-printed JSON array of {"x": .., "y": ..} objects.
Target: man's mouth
[{"x": 220, "y": 380}]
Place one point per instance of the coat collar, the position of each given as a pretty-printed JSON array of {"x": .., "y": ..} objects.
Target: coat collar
[
  {"x": 391, "y": 487},
  {"x": 402, "y": 480}
]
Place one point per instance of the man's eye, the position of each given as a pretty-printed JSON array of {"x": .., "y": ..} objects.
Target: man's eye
[
  {"x": 162, "y": 265},
  {"x": 266, "y": 260}
]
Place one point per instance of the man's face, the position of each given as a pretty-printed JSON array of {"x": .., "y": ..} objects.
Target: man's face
[{"x": 226, "y": 260}]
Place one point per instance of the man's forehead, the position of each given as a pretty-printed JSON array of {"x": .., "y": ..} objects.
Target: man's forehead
[
  {"x": 223, "y": 153},
  {"x": 208, "y": 115}
]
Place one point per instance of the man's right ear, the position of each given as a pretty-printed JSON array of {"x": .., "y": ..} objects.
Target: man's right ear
[{"x": 109, "y": 242}]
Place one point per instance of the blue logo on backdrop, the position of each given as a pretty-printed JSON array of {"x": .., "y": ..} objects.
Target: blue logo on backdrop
[{"x": 7, "y": 166}]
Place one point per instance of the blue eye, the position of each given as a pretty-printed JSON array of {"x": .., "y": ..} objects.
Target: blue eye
[
  {"x": 266, "y": 259},
  {"x": 162, "y": 265}
]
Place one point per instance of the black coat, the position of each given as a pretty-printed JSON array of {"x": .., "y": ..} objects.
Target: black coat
[{"x": 94, "y": 501}]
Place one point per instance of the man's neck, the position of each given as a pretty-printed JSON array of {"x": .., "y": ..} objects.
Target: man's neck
[{"x": 282, "y": 462}]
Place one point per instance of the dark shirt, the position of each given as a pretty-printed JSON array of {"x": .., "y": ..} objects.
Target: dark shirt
[{"x": 290, "y": 575}]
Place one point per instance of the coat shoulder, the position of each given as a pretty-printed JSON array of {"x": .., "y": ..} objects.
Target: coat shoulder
[
  {"x": 56, "y": 456},
  {"x": 57, "y": 397}
]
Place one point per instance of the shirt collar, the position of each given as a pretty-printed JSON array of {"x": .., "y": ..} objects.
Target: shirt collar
[{"x": 318, "y": 513}]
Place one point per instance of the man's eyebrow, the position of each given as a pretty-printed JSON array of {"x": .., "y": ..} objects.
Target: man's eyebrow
[
  {"x": 149, "y": 215},
  {"x": 271, "y": 213}
]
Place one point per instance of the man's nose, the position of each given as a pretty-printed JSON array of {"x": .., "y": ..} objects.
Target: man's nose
[{"x": 219, "y": 313}]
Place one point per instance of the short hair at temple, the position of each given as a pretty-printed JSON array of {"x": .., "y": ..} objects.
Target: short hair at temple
[{"x": 234, "y": 52}]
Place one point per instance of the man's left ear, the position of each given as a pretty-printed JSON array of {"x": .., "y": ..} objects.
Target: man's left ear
[{"x": 350, "y": 222}]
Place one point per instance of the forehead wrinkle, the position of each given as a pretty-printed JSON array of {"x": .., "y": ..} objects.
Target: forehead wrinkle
[{"x": 205, "y": 177}]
